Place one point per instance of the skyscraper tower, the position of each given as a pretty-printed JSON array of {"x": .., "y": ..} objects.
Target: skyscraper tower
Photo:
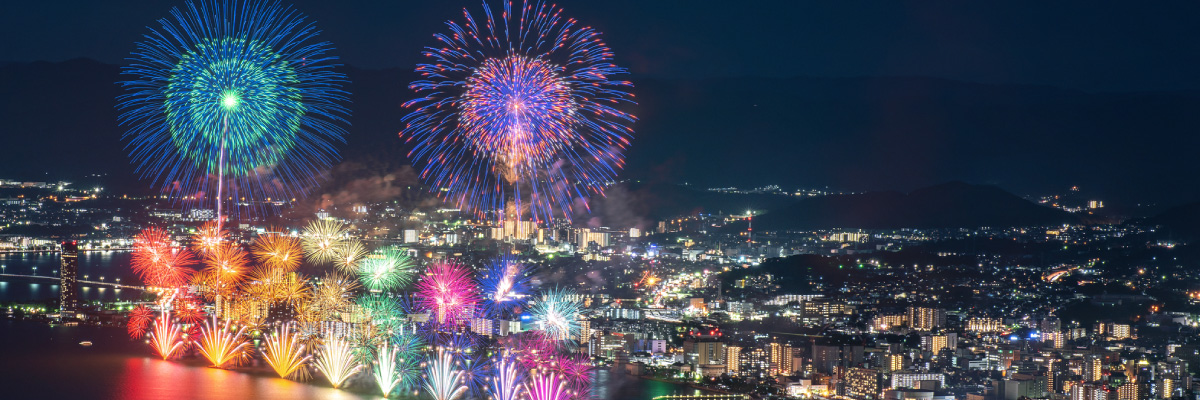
[{"x": 68, "y": 285}]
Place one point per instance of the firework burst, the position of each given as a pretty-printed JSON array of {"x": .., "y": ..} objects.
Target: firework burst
[
  {"x": 222, "y": 345},
  {"x": 519, "y": 112},
  {"x": 385, "y": 270},
  {"x": 333, "y": 295},
  {"x": 285, "y": 354},
  {"x": 504, "y": 285},
  {"x": 139, "y": 321},
  {"x": 226, "y": 263},
  {"x": 448, "y": 293},
  {"x": 238, "y": 90},
  {"x": 321, "y": 240},
  {"x": 336, "y": 361},
  {"x": 556, "y": 312},
  {"x": 277, "y": 251},
  {"x": 157, "y": 262},
  {"x": 348, "y": 254}
]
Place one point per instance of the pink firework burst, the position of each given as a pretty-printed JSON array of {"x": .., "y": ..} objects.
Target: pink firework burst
[{"x": 448, "y": 293}]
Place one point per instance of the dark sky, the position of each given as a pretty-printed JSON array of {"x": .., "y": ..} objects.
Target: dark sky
[{"x": 1091, "y": 45}]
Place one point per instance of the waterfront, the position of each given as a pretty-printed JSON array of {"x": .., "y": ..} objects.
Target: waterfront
[
  {"x": 93, "y": 265},
  {"x": 42, "y": 361}
]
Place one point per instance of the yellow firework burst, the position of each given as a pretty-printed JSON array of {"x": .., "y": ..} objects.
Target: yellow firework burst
[
  {"x": 348, "y": 254},
  {"x": 321, "y": 238}
]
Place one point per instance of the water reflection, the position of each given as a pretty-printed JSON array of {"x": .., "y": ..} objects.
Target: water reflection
[{"x": 111, "y": 265}]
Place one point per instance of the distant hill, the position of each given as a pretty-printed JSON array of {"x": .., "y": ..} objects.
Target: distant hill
[
  {"x": 1181, "y": 221},
  {"x": 949, "y": 205}
]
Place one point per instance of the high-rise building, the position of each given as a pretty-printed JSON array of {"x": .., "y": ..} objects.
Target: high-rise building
[
  {"x": 68, "y": 285},
  {"x": 733, "y": 356},
  {"x": 781, "y": 359},
  {"x": 1092, "y": 368}
]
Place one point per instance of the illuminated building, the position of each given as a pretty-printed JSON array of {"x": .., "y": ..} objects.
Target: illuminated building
[
  {"x": 862, "y": 383},
  {"x": 893, "y": 363},
  {"x": 733, "y": 357},
  {"x": 1089, "y": 391},
  {"x": 936, "y": 343},
  {"x": 68, "y": 285},
  {"x": 1092, "y": 368},
  {"x": 926, "y": 318},
  {"x": 1132, "y": 391},
  {"x": 1120, "y": 332},
  {"x": 984, "y": 325},
  {"x": 781, "y": 359},
  {"x": 885, "y": 322},
  {"x": 915, "y": 380}
]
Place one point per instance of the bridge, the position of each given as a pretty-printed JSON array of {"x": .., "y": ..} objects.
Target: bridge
[{"x": 81, "y": 281}]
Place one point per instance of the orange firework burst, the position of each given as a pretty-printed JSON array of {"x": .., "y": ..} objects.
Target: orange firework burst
[
  {"x": 208, "y": 238},
  {"x": 139, "y": 321},
  {"x": 166, "y": 338},
  {"x": 156, "y": 262},
  {"x": 278, "y": 251},
  {"x": 227, "y": 263}
]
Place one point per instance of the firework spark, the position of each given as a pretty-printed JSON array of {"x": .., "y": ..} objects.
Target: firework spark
[
  {"x": 447, "y": 291},
  {"x": 209, "y": 236},
  {"x": 333, "y": 295},
  {"x": 443, "y": 381},
  {"x": 166, "y": 338},
  {"x": 235, "y": 89},
  {"x": 277, "y": 251},
  {"x": 285, "y": 354},
  {"x": 336, "y": 360},
  {"x": 557, "y": 313},
  {"x": 519, "y": 112},
  {"x": 222, "y": 345},
  {"x": 321, "y": 240}
]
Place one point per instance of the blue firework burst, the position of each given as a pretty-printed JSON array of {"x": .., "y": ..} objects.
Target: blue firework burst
[{"x": 236, "y": 94}]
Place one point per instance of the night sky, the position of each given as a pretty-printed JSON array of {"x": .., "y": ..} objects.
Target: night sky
[
  {"x": 1031, "y": 96},
  {"x": 1094, "y": 46}
]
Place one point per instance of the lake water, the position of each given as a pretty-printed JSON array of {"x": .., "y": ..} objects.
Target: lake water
[
  {"x": 38, "y": 361},
  {"x": 93, "y": 265}
]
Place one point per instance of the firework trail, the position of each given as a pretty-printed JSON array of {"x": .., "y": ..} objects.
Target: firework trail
[
  {"x": 545, "y": 386},
  {"x": 139, "y": 321},
  {"x": 157, "y": 263},
  {"x": 222, "y": 345},
  {"x": 166, "y": 338},
  {"x": 519, "y": 112},
  {"x": 336, "y": 360},
  {"x": 506, "y": 384},
  {"x": 236, "y": 90},
  {"x": 557, "y": 314},
  {"x": 285, "y": 354},
  {"x": 385, "y": 270},
  {"x": 504, "y": 284},
  {"x": 388, "y": 369},
  {"x": 442, "y": 380},
  {"x": 321, "y": 239},
  {"x": 448, "y": 293}
]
